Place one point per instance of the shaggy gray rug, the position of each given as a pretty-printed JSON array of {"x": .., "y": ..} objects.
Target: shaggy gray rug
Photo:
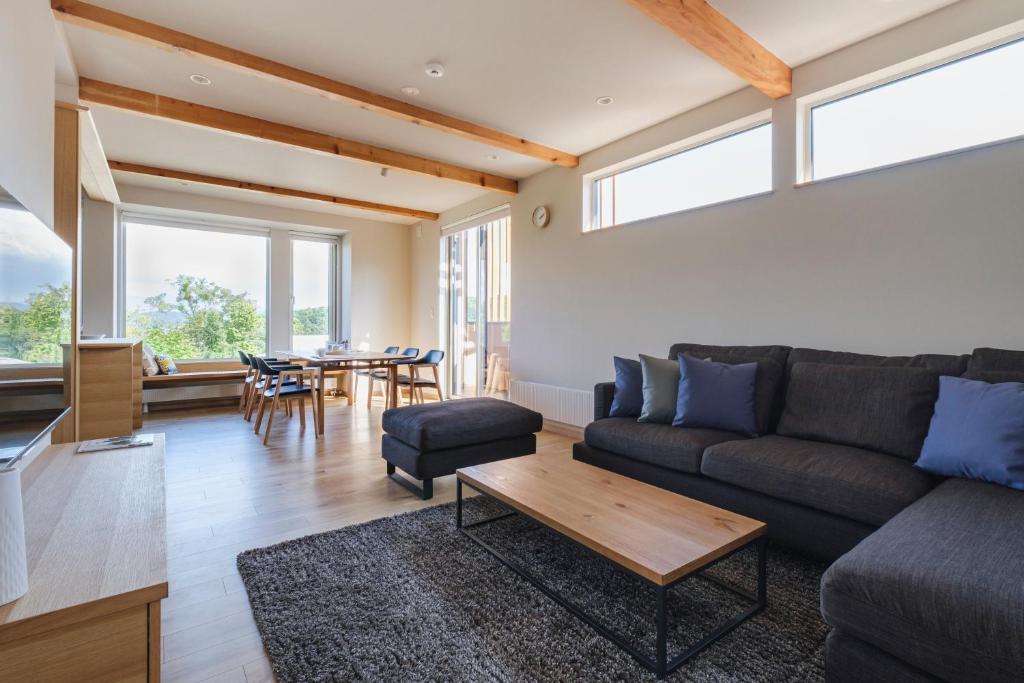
[{"x": 409, "y": 598}]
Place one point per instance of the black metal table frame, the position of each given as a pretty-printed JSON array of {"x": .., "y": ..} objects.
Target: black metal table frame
[{"x": 660, "y": 664}]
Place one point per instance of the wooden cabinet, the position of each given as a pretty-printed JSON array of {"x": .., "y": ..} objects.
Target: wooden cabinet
[
  {"x": 95, "y": 535},
  {"x": 109, "y": 388}
]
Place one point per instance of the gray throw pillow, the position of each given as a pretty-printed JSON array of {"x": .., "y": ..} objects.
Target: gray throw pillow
[{"x": 661, "y": 389}]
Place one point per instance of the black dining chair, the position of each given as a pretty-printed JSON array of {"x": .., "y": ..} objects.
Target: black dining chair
[
  {"x": 381, "y": 375},
  {"x": 259, "y": 383},
  {"x": 431, "y": 359},
  {"x": 366, "y": 373},
  {"x": 279, "y": 388},
  {"x": 251, "y": 373}
]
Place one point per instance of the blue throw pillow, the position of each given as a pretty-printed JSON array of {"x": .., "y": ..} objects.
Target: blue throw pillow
[
  {"x": 977, "y": 432},
  {"x": 716, "y": 396},
  {"x": 629, "y": 388}
]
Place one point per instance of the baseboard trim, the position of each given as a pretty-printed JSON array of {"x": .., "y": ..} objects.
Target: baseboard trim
[{"x": 556, "y": 427}]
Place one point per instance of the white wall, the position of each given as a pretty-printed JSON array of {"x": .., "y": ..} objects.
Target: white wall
[
  {"x": 379, "y": 274},
  {"x": 99, "y": 268},
  {"x": 926, "y": 257},
  {"x": 26, "y": 108}
]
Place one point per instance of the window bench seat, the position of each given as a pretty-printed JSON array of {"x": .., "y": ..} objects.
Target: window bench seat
[
  {"x": 191, "y": 378},
  {"x": 195, "y": 382}
]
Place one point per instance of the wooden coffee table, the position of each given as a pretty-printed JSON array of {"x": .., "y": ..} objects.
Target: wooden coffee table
[{"x": 660, "y": 536}]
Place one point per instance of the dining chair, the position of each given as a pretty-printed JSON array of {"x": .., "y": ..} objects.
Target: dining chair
[
  {"x": 381, "y": 375},
  {"x": 366, "y": 373},
  {"x": 280, "y": 389},
  {"x": 251, "y": 373},
  {"x": 431, "y": 359},
  {"x": 259, "y": 383}
]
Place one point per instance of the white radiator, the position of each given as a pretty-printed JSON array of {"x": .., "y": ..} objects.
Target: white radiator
[{"x": 569, "y": 406}]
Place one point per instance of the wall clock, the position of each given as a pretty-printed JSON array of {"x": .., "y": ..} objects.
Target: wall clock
[{"x": 541, "y": 216}]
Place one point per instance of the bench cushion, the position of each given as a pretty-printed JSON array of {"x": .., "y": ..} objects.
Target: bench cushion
[
  {"x": 850, "y": 482},
  {"x": 885, "y": 409},
  {"x": 940, "y": 585},
  {"x": 460, "y": 422},
  {"x": 674, "y": 448}
]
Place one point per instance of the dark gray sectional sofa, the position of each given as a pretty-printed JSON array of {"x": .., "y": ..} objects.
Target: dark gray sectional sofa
[{"x": 927, "y": 582}]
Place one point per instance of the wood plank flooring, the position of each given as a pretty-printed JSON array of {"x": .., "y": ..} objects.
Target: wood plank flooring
[{"x": 227, "y": 492}]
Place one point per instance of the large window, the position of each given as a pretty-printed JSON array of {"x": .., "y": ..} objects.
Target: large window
[
  {"x": 35, "y": 290},
  {"x": 738, "y": 164},
  {"x": 967, "y": 102},
  {"x": 313, "y": 291},
  {"x": 195, "y": 293}
]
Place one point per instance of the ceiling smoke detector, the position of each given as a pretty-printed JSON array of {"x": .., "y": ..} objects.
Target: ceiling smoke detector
[
  {"x": 410, "y": 91},
  {"x": 435, "y": 70},
  {"x": 605, "y": 100},
  {"x": 199, "y": 79}
]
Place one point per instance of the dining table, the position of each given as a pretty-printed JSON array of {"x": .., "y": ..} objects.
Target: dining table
[{"x": 351, "y": 361}]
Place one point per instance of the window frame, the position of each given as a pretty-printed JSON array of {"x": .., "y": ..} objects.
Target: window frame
[
  {"x": 932, "y": 61},
  {"x": 591, "y": 197},
  {"x": 126, "y": 217},
  {"x": 334, "y": 282}
]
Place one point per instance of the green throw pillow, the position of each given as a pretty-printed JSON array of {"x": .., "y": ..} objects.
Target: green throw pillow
[{"x": 661, "y": 389}]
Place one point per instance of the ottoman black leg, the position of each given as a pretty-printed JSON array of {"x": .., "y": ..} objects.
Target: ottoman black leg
[{"x": 426, "y": 492}]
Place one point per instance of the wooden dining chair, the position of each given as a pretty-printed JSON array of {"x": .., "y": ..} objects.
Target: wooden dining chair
[
  {"x": 260, "y": 383},
  {"x": 416, "y": 384},
  {"x": 365, "y": 372},
  {"x": 281, "y": 389},
  {"x": 251, "y": 373},
  {"x": 381, "y": 375}
]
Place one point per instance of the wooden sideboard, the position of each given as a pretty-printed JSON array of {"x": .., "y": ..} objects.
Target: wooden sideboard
[
  {"x": 109, "y": 388},
  {"x": 97, "y": 559}
]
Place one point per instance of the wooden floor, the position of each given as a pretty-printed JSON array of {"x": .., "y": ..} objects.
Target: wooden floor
[{"x": 227, "y": 492}]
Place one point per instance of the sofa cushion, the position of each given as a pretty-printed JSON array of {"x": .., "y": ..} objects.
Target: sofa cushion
[
  {"x": 940, "y": 585},
  {"x": 940, "y": 363},
  {"x": 885, "y": 409},
  {"x": 851, "y": 482},
  {"x": 768, "y": 388},
  {"x": 779, "y": 354},
  {"x": 977, "y": 432},
  {"x": 995, "y": 376},
  {"x": 660, "y": 389},
  {"x": 717, "y": 395},
  {"x": 674, "y": 448},
  {"x": 996, "y": 359},
  {"x": 461, "y": 422},
  {"x": 628, "y": 398}
]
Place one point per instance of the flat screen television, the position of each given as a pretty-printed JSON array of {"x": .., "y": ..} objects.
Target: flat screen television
[{"x": 35, "y": 329}]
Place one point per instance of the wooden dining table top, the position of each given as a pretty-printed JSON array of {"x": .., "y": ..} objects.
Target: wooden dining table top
[{"x": 344, "y": 356}]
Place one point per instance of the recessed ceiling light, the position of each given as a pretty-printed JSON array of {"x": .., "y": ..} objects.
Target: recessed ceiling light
[
  {"x": 435, "y": 70},
  {"x": 199, "y": 79},
  {"x": 605, "y": 101},
  {"x": 492, "y": 157},
  {"x": 410, "y": 91}
]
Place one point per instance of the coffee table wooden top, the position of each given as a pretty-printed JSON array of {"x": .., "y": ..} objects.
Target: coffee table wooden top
[{"x": 655, "y": 533}]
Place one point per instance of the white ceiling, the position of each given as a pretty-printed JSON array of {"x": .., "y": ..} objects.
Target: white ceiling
[{"x": 532, "y": 68}]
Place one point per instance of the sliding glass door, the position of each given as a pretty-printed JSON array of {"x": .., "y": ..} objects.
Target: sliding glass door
[{"x": 476, "y": 272}]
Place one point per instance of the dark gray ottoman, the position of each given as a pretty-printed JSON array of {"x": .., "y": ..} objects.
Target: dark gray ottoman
[{"x": 435, "y": 439}]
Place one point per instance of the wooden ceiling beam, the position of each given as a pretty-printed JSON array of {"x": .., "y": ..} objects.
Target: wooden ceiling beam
[
  {"x": 159, "y": 106},
  {"x": 126, "y": 167},
  {"x": 708, "y": 30},
  {"x": 114, "y": 23}
]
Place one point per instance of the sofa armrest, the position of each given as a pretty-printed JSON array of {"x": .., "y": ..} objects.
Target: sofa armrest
[{"x": 604, "y": 392}]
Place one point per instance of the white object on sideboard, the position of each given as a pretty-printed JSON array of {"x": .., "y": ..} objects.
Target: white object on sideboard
[
  {"x": 13, "y": 561},
  {"x": 561, "y": 404}
]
